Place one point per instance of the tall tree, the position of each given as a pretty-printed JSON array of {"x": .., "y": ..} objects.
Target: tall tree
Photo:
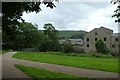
[
  {"x": 117, "y": 11},
  {"x": 50, "y": 31},
  {"x": 11, "y": 16},
  {"x": 28, "y": 35},
  {"x": 49, "y": 41}
]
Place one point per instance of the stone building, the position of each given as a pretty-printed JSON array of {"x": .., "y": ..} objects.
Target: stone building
[
  {"x": 115, "y": 43},
  {"x": 76, "y": 43},
  {"x": 106, "y": 35}
]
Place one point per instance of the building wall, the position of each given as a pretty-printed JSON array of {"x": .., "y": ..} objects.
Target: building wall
[
  {"x": 76, "y": 43},
  {"x": 115, "y": 44},
  {"x": 97, "y": 33}
]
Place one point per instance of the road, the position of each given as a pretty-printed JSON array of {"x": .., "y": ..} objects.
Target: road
[{"x": 10, "y": 71}]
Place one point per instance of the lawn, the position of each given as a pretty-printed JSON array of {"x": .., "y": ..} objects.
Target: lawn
[
  {"x": 0, "y": 52},
  {"x": 3, "y": 51},
  {"x": 105, "y": 64},
  {"x": 36, "y": 73}
]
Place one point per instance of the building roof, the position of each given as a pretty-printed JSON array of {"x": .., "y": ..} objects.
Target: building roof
[
  {"x": 116, "y": 34},
  {"x": 106, "y": 28},
  {"x": 100, "y": 28}
]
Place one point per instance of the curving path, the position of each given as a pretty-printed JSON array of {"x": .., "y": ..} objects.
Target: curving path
[{"x": 10, "y": 71}]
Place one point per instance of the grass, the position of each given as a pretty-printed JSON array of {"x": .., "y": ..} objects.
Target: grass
[
  {"x": 3, "y": 51},
  {"x": 0, "y": 52},
  {"x": 84, "y": 54},
  {"x": 105, "y": 64},
  {"x": 36, "y": 73}
]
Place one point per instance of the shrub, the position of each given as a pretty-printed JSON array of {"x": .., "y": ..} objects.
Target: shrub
[
  {"x": 101, "y": 47},
  {"x": 67, "y": 47}
]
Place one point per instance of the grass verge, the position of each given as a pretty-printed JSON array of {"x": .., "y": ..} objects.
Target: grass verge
[
  {"x": 105, "y": 64},
  {"x": 4, "y": 51},
  {"x": 37, "y": 74}
]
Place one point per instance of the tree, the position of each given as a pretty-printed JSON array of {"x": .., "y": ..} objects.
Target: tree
[
  {"x": 27, "y": 36},
  {"x": 117, "y": 11},
  {"x": 11, "y": 16},
  {"x": 67, "y": 46},
  {"x": 12, "y": 11},
  {"x": 49, "y": 41},
  {"x": 50, "y": 31},
  {"x": 30, "y": 34},
  {"x": 101, "y": 47}
]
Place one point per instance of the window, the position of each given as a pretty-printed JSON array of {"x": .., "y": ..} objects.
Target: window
[
  {"x": 113, "y": 46},
  {"x": 96, "y": 39},
  {"x": 119, "y": 46},
  {"x": 105, "y": 39},
  {"x": 116, "y": 39},
  {"x": 87, "y": 45},
  {"x": 87, "y": 39},
  {"x": 96, "y": 34}
]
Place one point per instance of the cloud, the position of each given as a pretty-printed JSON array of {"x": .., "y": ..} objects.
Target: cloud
[{"x": 75, "y": 16}]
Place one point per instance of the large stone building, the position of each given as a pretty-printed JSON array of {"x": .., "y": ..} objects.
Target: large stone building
[
  {"x": 76, "y": 43},
  {"x": 106, "y": 35}
]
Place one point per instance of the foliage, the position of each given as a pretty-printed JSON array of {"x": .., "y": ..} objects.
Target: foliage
[
  {"x": 27, "y": 36},
  {"x": 67, "y": 46},
  {"x": 71, "y": 34},
  {"x": 106, "y": 64},
  {"x": 78, "y": 36},
  {"x": 49, "y": 41},
  {"x": 36, "y": 73},
  {"x": 50, "y": 31},
  {"x": 117, "y": 11},
  {"x": 11, "y": 17},
  {"x": 101, "y": 47}
]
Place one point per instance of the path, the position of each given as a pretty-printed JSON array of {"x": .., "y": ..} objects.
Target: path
[{"x": 9, "y": 69}]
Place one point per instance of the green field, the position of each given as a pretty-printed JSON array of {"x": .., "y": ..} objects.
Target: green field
[
  {"x": 42, "y": 73},
  {"x": 105, "y": 64},
  {"x": 68, "y": 33}
]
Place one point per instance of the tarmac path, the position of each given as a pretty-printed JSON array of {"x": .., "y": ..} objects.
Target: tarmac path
[{"x": 10, "y": 71}]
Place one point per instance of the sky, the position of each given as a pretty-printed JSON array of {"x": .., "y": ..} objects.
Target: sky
[{"x": 75, "y": 15}]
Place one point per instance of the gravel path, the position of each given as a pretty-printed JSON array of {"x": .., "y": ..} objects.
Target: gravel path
[{"x": 10, "y": 71}]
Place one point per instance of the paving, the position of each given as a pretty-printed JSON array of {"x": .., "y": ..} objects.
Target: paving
[
  {"x": 8, "y": 68},
  {"x": 10, "y": 71}
]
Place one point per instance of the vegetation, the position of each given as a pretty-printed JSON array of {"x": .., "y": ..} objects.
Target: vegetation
[
  {"x": 71, "y": 34},
  {"x": 101, "y": 47},
  {"x": 0, "y": 52},
  {"x": 117, "y": 11},
  {"x": 106, "y": 64},
  {"x": 4, "y": 51},
  {"x": 67, "y": 47},
  {"x": 27, "y": 36},
  {"x": 49, "y": 40},
  {"x": 11, "y": 18},
  {"x": 36, "y": 73}
]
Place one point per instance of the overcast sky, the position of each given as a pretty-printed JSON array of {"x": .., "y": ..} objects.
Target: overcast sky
[{"x": 75, "y": 16}]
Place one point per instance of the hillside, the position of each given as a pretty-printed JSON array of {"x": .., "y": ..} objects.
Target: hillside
[{"x": 71, "y": 34}]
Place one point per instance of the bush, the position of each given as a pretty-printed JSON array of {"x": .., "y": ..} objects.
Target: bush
[
  {"x": 49, "y": 45},
  {"x": 67, "y": 48},
  {"x": 101, "y": 47}
]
